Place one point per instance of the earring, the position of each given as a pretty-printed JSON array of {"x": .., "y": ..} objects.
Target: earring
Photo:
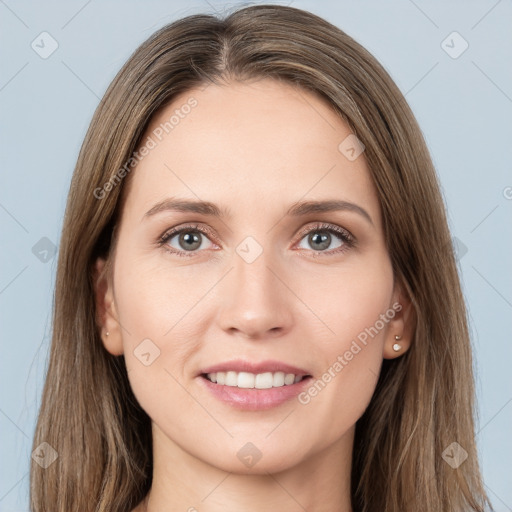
[
  {"x": 397, "y": 346},
  {"x": 107, "y": 334}
]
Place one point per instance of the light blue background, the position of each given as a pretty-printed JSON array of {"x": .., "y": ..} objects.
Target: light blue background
[{"x": 463, "y": 105}]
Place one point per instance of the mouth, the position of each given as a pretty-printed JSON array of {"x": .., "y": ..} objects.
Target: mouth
[
  {"x": 248, "y": 380},
  {"x": 251, "y": 386}
]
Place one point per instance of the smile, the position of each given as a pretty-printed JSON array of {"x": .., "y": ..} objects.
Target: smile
[{"x": 247, "y": 380}]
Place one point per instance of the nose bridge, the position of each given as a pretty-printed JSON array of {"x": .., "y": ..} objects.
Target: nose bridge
[
  {"x": 256, "y": 302},
  {"x": 253, "y": 278}
]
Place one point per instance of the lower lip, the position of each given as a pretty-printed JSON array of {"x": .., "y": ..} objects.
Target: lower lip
[{"x": 254, "y": 399}]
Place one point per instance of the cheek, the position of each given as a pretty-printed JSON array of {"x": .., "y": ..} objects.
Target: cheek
[
  {"x": 150, "y": 301},
  {"x": 158, "y": 336},
  {"x": 348, "y": 300},
  {"x": 357, "y": 310}
]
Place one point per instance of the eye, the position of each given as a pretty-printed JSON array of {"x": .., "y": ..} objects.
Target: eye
[
  {"x": 185, "y": 241},
  {"x": 323, "y": 236}
]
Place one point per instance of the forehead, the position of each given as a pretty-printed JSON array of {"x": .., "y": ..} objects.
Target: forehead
[{"x": 244, "y": 145}]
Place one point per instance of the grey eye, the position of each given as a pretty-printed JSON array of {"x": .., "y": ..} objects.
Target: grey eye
[
  {"x": 321, "y": 239},
  {"x": 187, "y": 240}
]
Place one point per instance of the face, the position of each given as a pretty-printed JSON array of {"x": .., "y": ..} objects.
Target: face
[{"x": 253, "y": 287}]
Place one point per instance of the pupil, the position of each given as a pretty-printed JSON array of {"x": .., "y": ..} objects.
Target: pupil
[
  {"x": 322, "y": 239},
  {"x": 189, "y": 241}
]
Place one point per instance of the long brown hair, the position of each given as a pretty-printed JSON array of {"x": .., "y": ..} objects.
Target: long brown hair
[{"x": 424, "y": 401}]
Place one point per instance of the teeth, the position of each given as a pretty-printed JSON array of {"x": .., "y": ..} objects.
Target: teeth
[
  {"x": 262, "y": 380},
  {"x": 289, "y": 378},
  {"x": 278, "y": 379},
  {"x": 231, "y": 379},
  {"x": 250, "y": 380}
]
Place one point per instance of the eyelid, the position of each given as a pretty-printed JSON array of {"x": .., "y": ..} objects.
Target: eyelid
[
  {"x": 326, "y": 226},
  {"x": 170, "y": 233},
  {"x": 190, "y": 227}
]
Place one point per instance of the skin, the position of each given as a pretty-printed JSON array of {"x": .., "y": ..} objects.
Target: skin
[{"x": 254, "y": 149}]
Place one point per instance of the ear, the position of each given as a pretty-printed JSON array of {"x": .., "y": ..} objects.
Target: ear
[
  {"x": 402, "y": 326},
  {"x": 106, "y": 315}
]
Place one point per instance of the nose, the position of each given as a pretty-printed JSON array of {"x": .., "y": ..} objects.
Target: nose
[{"x": 255, "y": 302}]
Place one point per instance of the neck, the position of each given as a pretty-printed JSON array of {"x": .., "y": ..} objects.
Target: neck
[{"x": 181, "y": 481}]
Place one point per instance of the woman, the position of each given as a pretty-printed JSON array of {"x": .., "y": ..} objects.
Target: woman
[{"x": 206, "y": 354}]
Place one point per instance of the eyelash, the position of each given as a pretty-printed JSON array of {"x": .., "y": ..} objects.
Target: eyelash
[{"x": 345, "y": 236}]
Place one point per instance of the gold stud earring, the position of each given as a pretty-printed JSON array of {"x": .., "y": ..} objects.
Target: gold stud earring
[{"x": 397, "y": 347}]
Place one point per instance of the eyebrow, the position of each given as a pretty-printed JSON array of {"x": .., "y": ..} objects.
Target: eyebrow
[{"x": 297, "y": 209}]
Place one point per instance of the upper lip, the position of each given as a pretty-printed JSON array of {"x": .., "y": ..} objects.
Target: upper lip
[{"x": 240, "y": 365}]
